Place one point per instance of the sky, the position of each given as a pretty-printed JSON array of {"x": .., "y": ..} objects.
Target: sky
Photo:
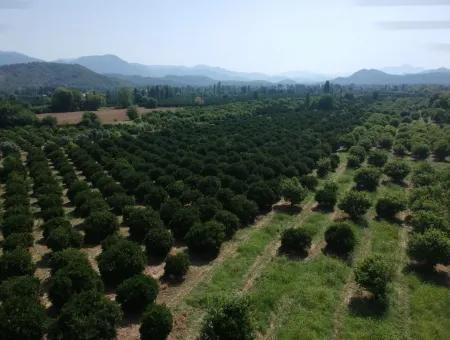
[{"x": 271, "y": 36}]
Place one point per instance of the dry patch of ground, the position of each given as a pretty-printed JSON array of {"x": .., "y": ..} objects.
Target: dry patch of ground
[{"x": 106, "y": 115}]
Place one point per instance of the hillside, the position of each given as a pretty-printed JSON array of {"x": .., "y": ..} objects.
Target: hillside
[
  {"x": 38, "y": 74},
  {"x": 9, "y": 58},
  {"x": 375, "y": 77}
]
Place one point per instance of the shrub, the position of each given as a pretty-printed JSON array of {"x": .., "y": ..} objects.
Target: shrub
[
  {"x": 431, "y": 247},
  {"x": 423, "y": 220},
  {"x": 99, "y": 225},
  {"x": 17, "y": 240},
  {"x": 400, "y": 149},
  {"x": 22, "y": 318},
  {"x": 168, "y": 209},
  {"x": 367, "y": 179},
  {"x": 228, "y": 320},
  {"x": 389, "y": 205},
  {"x": 355, "y": 203},
  {"x": 66, "y": 257},
  {"x": 88, "y": 315},
  {"x": 229, "y": 220},
  {"x": 386, "y": 141},
  {"x": 295, "y": 240},
  {"x": 358, "y": 152},
  {"x": 20, "y": 286},
  {"x": 340, "y": 238},
  {"x": 292, "y": 190},
  {"x": 327, "y": 196},
  {"x": 377, "y": 158},
  {"x": 244, "y": 209},
  {"x": 158, "y": 242},
  {"x": 16, "y": 262},
  {"x": 73, "y": 278},
  {"x": 177, "y": 265},
  {"x": 262, "y": 194},
  {"x": 54, "y": 223},
  {"x": 64, "y": 237},
  {"x": 141, "y": 221},
  {"x": 397, "y": 170},
  {"x": 137, "y": 292},
  {"x": 441, "y": 150},
  {"x": 207, "y": 207},
  {"x": 183, "y": 220},
  {"x": 310, "y": 182},
  {"x": 132, "y": 113},
  {"x": 420, "y": 151},
  {"x": 119, "y": 201},
  {"x": 353, "y": 162},
  {"x": 156, "y": 323},
  {"x": 17, "y": 224},
  {"x": 75, "y": 188},
  {"x": 373, "y": 275},
  {"x": 206, "y": 237},
  {"x": 120, "y": 261}
]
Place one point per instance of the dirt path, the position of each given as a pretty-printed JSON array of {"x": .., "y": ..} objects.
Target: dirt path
[{"x": 350, "y": 286}]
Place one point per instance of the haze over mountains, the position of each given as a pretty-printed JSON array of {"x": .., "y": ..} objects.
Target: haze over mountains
[{"x": 107, "y": 71}]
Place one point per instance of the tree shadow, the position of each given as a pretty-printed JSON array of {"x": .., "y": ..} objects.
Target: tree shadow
[
  {"x": 292, "y": 255},
  {"x": 392, "y": 220},
  {"x": 345, "y": 257},
  {"x": 367, "y": 306},
  {"x": 436, "y": 275},
  {"x": 323, "y": 209},
  {"x": 287, "y": 208}
]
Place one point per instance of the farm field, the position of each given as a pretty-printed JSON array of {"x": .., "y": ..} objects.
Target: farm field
[
  {"x": 260, "y": 219},
  {"x": 106, "y": 115}
]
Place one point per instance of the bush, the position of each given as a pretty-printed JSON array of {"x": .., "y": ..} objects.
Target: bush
[
  {"x": 353, "y": 162},
  {"x": 441, "y": 150},
  {"x": 158, "y": 242},
  {"x": 327, "y": 196},
  {"x": 262, "y": 194},
  {"x": 373, "y": 275},
  {"x": 22, "y": 318},
  {"x": 120, "y": 261},
  {"x": 340, "y": 238},
  {"x": 20, "y": 286},
  {"x": 99, "y": 225},
  {"x": 367, "y": 179},
  {"x": 75, "y": 188},
  {"x": 71, "y": 279},
  {"x": 377, "y": 158},
  {"x": 17, "y": 240},
  {"x": 88, "y": 315},
  {"x": 63, "y": 237},
  {"x": 177, "y": 265},
  {"x": 229, "y": 220},
  {"x": 431, "y": 247},
  {"x": 397, "y": 170},
  {"x": 119, "y": 201},
  {"x": 54, "y": 223},
  {"x": 206, "y": 237},
  {"x": 183, "y": 220},
  {"x": 168, "y": 209},
  {"x": 355, "y": 203},
  {"x": 295, "y": 240},
  {"x": 17, "y": 224},
  {"x": 137, "y": 292},
  {"x": 357, "y": 152},
  {"x": 389, "y": 205},
  {"x": 228, "y": 320},
  {"x": 132, "y": 113},
  {"x": 16, "y": 262},
  {"x": 423, "y": 220},
  {"x": 420, "y": 151},
  {"x": 292, "y": 190},
  {"x": 141, "y": 221},
  {"x": 309, "y": 182},
  {"x": 244, "y": 209},
  {"x": 66, "y": 257},
  {"x": 156, "y": 323}
]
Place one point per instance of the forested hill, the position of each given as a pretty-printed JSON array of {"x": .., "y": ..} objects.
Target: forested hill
[
  {"x": 37, "y": 74},
  {"x": 375, "y": 77}
]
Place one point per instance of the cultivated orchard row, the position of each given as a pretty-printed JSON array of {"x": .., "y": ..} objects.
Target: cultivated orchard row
[{"x": 132, "y": 193}]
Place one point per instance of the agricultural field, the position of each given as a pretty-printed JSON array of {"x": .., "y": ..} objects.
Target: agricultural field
[
  {"x": 259, "y": 219},
  {"x": 105, "y": 115}
]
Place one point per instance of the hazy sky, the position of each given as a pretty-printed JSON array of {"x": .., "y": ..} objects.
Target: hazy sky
[{"x": 328, "y": 36}]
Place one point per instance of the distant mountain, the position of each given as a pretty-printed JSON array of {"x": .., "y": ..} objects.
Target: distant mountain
[
  {"x": 404, "y": 69},
  {"x": 41, "y": 74},
  {"x": 376, "y": 77},
  {"x": 305, "y": 77},
  {"x": 9, "y": 58},
  {"x": 170, "y": 80}
]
